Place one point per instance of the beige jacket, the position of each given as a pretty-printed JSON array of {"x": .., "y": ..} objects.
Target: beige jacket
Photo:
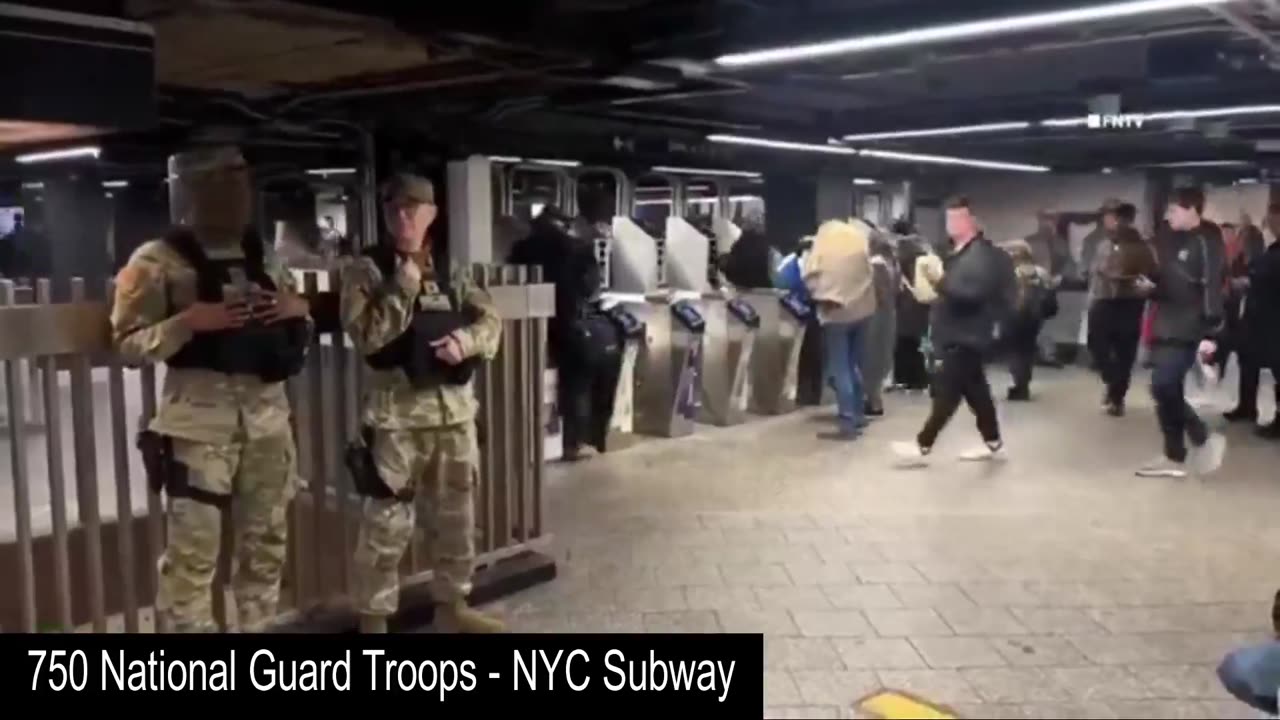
[{"x": 838, "y": 272}]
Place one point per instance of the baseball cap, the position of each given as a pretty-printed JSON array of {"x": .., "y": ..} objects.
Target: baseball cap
[{"x": 408, "y": 188}]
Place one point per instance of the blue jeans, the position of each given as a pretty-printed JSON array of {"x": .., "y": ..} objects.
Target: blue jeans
[
  {"x": 843, "y": 345},
  {"x": 1252, "y": 675},
  {"x": 1178, "y": 421}
]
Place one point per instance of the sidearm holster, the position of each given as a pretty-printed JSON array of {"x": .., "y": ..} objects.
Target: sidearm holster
[
  {"x": 364, "y": 471},
  {"x": 165, "y": 473}
]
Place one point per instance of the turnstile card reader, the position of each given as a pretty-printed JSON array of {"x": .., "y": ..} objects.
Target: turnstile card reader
[
  {"x": 629, "y": 326},
  {"x": 797, "y": 307},
  {"x": 744, "y": 313},
  {"x": 690, "y": 319}
]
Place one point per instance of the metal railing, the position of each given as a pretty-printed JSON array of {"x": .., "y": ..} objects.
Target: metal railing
[{"x": 85, "y": 556}]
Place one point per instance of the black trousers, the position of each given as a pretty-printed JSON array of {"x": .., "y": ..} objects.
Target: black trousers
[
  {"x": 908, "y": 364},
  {"x": 1178, "y": 420},
  {"x": 1023, "y": 347},
  {"x": 1250, "y": 378},
  {"x": 1115, "y": 329},
  {"x": 960, "y": 376},
  {"x": 586, "y": 385}
]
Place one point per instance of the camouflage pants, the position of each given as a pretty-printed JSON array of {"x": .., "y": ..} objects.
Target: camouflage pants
[
  {"x": 260, "y": 476},
  {"x": 441, "y": 464}
]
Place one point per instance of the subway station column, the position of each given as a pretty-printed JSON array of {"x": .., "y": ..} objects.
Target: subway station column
[
  {"x": 794, "y": 207},
  {"x": 470, "y": 208},
  {"x": 76, "y": 219},
  {"x": 834, "y": 197}
]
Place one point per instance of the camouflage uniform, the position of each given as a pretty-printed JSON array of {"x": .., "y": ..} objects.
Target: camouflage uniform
[
  {"x": 423, "y": 439},
  {"x": 230, "y": 431}
]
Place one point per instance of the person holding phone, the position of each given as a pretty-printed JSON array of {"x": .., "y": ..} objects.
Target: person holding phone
[
  {"x": 224, "y": 314},
  {"x": 1115, "y": 312},
  {"x": 1187, "y": 291}
]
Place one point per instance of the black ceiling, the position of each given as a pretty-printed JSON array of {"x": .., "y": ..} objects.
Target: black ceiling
[{"x": 632, "y": 80}]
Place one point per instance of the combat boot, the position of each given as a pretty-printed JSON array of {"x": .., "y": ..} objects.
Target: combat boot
[
  {"x": 373, "y": 625},
  {"x": 458, "y": 618}
]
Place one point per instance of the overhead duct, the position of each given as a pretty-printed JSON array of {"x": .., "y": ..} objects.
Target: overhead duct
[{"x": 79, "y": 74}]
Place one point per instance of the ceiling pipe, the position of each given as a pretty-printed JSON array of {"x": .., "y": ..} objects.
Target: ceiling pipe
[{"x": 1246, "y": 27}]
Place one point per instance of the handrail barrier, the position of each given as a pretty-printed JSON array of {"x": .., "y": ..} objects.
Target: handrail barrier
[{"x": 84, "y": 557}]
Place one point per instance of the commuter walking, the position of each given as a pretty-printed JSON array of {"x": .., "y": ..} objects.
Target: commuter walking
[
  {"x": 838, "y": 274},
  {"x": 584, "y": 346},
  {"x": 1259, "y": 325},
  {"x": 1115, "y": 312},
  {"x": 1036, "y": 302},
  {"x": 976, "y": 287},
  {"x": 878, "y": 350},
  {"x": 1187, "y": 293}
]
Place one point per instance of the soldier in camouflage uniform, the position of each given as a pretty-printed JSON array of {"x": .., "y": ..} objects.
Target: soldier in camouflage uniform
[
  {"x": 230, "y": 432},
  {"x": 422, "y": 440}
]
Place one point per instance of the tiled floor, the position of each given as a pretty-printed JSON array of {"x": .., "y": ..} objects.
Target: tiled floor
[{"x": 1055, "y": 585}]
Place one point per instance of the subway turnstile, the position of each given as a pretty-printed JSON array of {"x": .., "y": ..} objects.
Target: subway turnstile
[
  {"x": 775, "y": 360},
  {"x": 729, "y": 341},
  {"x": 669, "y": 366}
]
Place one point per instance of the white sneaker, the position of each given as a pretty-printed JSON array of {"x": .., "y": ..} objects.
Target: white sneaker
[
  {"x": 1207, "y": 458},
  {"x": 910, "y": 455},
  {"x": 984, "y": 453},
  {"x": 1163, "y": 467}
]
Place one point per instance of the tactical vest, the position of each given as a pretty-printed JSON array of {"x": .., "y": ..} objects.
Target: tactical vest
[
  {"x": 412, "y": 351},
  {"x": 273, "y": 353}
]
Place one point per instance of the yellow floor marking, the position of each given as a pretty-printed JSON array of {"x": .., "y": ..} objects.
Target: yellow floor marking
[{"x": 894, "y": 705}]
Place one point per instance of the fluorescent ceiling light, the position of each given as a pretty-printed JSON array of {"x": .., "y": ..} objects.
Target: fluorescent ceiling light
[
  {"x": 782, "y": 144},
  {"x": 1247, "y": 181},
  {"x": 960, "y": 31},
  {"x": 1066, "y": 122},
  {"x": 947, "y": 160},
  {"x": 556, "y": 163},
  {"x": 1203, "y": 163},
  {"x": 1229, "y": 111},
  {"x": 865, "y": 181},
  {"x": 1212, "y": 112},
  {"x": 700, "y": 201},
  {"x": 64, "y": 154},
  {"x": 116, "y": 184},
  {"x": 704, "y": 171},
  {"x": 32, "y": 186},
  {"x": 332, "y": 171},
  {"x": 1107, "y": 170},
  {"x": 505, "y": 159},
  {"x": 932, "y": 132},
  {"x": 665, "y": 189}
]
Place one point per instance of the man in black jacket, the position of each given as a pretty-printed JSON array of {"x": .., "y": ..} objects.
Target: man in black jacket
[
  {"x": 1187, "y": 291},
  {"x": 976, "y": 290},
  {"x": 1259, "y": 344},
  {"x": 582, "y": 343}
]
